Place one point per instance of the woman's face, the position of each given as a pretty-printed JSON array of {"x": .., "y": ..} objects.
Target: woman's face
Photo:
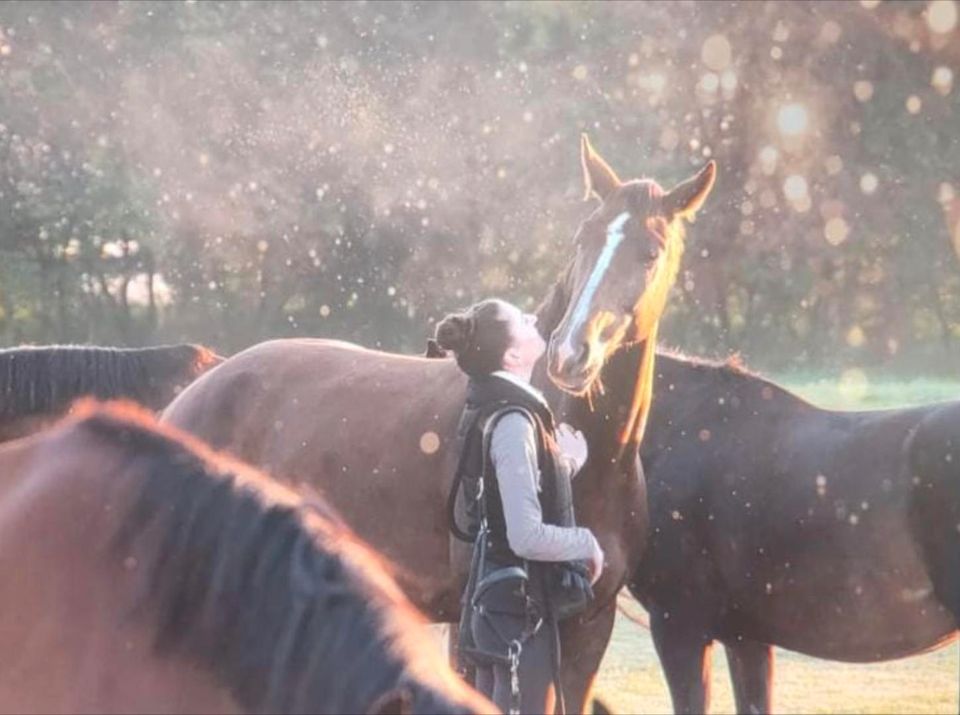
[{"x": 526, "y": 345}]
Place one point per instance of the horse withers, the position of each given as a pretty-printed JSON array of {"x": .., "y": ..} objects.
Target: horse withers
[
  {"x": 775, "y": 522},
  {"x": 38, "y": 384},
  {"x": 376, "y": 432},
  {"x": 146, "y": 574}
]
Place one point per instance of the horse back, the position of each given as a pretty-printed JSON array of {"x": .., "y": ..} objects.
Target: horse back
[
  {"x": 788, "y": 524},
  {"x": 350, "y": 423}
]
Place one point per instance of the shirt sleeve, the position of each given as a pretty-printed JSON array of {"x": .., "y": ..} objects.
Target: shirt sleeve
[{"x": 513, "y": 451}]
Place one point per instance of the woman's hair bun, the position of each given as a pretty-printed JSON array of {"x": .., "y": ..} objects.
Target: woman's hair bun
[{"x": 454, "y": 332}]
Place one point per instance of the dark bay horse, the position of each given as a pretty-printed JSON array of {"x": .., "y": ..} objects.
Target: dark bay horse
[
  {"x": 38, "y": 384},
  {"x": 376, "y": 432},
  {"x": 143, "y": 573},
  {"x": 830, "y": 533}
]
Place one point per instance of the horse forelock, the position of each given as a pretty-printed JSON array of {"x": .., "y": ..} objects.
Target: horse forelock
[
  {"x": 279, "y": 601},
  {"x": 653, "y": 189}
]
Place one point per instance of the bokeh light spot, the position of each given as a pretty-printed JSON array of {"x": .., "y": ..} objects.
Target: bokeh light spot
[
  {"x": 792, "y": 119},
  {"x": 836, "y": 231},
  {"x": 863, "y": 90},
  {"x": 795, "y": 187},
  {"x": 716, "y": 53},
  {"x": 942, "y": 16},
  {"x": 429, "y": 442},
  {"x": 942, "y": 80}
]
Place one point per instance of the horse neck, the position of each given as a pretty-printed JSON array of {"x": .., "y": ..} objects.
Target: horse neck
[
  {"x": 613, "y": 421},
  {"x": 613, "y": 418},
  {"x": 680, "y": 387}
]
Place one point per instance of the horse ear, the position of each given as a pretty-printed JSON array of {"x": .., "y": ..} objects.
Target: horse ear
[
  {"x": 686, "y": 198},
  {"x": 598, "y": 178},
  {"x": 398, "y": 701}
]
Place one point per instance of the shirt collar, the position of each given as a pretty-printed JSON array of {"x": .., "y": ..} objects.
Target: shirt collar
[{"x": 522, "y": 384}]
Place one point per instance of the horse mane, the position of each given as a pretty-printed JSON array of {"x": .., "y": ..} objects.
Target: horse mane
[
  {"x": 37, "y": 380},
  {"x": 733, "y": 363},
  {"x": 730, "y": 371},
  {"x": 268, "y": 592}
]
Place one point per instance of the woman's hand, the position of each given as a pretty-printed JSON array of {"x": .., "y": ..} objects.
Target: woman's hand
[{"x": 572, "y": 443}]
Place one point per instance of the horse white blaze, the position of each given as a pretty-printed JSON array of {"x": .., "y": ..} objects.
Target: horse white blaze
[{"x": 579, "y": 315}]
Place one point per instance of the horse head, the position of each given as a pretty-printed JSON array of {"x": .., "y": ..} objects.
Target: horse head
[{"x": 627, "y": 256}]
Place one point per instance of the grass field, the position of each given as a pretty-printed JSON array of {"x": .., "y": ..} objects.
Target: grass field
[{"x": 630, "y": 679}]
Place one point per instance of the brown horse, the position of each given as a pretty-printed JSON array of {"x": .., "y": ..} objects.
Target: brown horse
[
  {"x": 143, "y": 573},
  {"x": 376, "y": 432},
  {"x": 774, "y": 522},
  {"x": 38, "y": 384}
]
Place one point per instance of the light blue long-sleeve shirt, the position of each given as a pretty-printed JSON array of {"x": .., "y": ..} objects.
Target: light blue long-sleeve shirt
[{"x": 513, "y": 451}]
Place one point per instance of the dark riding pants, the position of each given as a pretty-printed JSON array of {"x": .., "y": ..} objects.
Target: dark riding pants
[{"x": 503, "y": 618}]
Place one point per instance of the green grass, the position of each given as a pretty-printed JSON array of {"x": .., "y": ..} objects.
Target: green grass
[
  {"x": 630, "y": 681},
  {"x": 855, "y": 390}
]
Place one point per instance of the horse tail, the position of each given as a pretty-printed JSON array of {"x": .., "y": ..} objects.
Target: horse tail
[{"x": 637, "y": 618}]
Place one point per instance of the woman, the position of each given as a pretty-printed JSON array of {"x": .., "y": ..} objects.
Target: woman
[{"x": 521, "y": 506}]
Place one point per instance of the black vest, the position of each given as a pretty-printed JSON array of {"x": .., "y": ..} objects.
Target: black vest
[{"x": 487, "y": 397}]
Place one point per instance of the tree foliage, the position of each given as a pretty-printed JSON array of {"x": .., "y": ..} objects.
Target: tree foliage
[{"x": 230, "y": 172}]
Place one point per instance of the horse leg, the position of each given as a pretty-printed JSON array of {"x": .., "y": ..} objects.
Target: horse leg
[
  {"x": 463, "y": 666},
  {"x": 751, "y": 671},
  {"x": 684, "y": 652},
  {"x": 582, "y": 645}
]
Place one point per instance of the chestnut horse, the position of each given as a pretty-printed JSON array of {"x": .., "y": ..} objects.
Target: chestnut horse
[
  {"x": 774, "y": 522},
  {"x": 38, "y": 384},
  {"x": 143, "y": 573},
  {"x": 376, "y": 432}
]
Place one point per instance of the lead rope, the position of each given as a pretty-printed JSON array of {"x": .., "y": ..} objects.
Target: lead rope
[{"x": 515, "y": 649}]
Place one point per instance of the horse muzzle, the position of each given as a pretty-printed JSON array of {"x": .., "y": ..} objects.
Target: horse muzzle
[{"x": 573, "y": 369}]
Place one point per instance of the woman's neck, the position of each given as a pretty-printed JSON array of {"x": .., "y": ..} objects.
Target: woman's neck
[{"x": 521, "y": 372}]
